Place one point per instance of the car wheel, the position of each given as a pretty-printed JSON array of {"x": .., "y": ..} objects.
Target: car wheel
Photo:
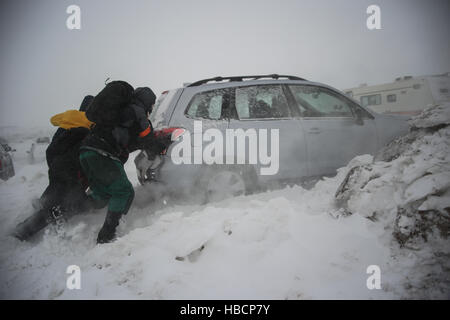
[{"x": 220, "y": 184}]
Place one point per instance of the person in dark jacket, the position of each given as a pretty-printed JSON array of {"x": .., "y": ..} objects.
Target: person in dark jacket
[
  {"x": 65, "y": 193},
  {"x": 63, "y": 138},
  {"x": 105, "y": 151}
]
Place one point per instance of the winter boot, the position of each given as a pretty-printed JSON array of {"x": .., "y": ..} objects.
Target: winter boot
[
  {"x": 57, "y": 216},
  {"x": 32, "y": 225},
  {"x": 108, "y": 231},
  {"x": 38, "y": 221},
  {"x": 37, "y": 204}
]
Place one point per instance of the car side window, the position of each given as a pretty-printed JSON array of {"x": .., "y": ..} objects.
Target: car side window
[
  {"x": 261, "y": 102},
  {"x": 320, "y": 102},
  {"x": 207, "y": 105}
]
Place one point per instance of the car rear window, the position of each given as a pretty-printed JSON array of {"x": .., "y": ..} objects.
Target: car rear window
[{"x": 159, "y": 116}]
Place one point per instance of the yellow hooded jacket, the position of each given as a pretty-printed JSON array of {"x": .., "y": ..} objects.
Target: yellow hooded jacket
[{"x": 71, "y": 119}]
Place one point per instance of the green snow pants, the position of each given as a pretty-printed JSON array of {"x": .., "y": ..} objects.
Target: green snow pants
[{"x": 107, "y": 180}]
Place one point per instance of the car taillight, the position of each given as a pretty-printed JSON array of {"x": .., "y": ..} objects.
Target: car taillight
[
  {"x": 177, "y": 133},
  {"x": 174, "y": 133},
  {"x": 164, "y": 132}
]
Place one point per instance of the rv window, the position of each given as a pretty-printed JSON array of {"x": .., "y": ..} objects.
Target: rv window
[
  {"x": 391, "y": 97},
  {"x": 372, "y": 100}
]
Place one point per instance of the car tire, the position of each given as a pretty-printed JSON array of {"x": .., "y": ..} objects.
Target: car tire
[{"x": 220, "y": 182}]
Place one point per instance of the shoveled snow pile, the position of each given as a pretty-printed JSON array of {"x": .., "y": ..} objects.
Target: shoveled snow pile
[
  {"x": 407, "y": 191},
  {"x": 391, "y": 211}
]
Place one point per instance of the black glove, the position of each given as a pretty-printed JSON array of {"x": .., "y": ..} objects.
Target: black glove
[
  {"x": 156, "y": 146},
  {"x": 166, "y": 141}
]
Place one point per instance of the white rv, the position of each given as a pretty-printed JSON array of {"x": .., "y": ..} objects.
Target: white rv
[{"x": 406, "y": 95}]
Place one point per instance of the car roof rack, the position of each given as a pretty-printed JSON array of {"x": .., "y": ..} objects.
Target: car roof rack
[{"x": 241, "y": 78}]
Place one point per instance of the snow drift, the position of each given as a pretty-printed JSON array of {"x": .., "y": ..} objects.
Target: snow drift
[
  {"x": 406, "y": 189},
  {"x": 390, "y": 211}
]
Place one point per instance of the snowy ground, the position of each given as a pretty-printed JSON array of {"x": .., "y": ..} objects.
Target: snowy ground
[{"x": 286, "y": 244}]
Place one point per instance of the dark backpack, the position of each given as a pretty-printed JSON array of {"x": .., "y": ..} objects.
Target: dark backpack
[{"x": 108, "y": 104}]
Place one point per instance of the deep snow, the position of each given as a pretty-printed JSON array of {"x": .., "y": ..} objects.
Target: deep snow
[{"x": 285, "y": 244}]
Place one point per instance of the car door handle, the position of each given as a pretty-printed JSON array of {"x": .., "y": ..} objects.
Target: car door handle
[{"x": 314, "y": 131}]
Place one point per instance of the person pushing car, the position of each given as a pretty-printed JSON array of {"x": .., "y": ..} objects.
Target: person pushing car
[{"x": 121, "y": 126}]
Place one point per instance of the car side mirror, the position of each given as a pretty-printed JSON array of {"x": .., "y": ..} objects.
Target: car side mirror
[{"x": 359, "y": 117}]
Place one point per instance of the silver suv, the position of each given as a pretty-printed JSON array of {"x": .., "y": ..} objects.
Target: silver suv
[{"x": 319, "y": 130}]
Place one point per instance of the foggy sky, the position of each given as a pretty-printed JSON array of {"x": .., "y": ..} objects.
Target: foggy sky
[{"x": 47, "y": 69}]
